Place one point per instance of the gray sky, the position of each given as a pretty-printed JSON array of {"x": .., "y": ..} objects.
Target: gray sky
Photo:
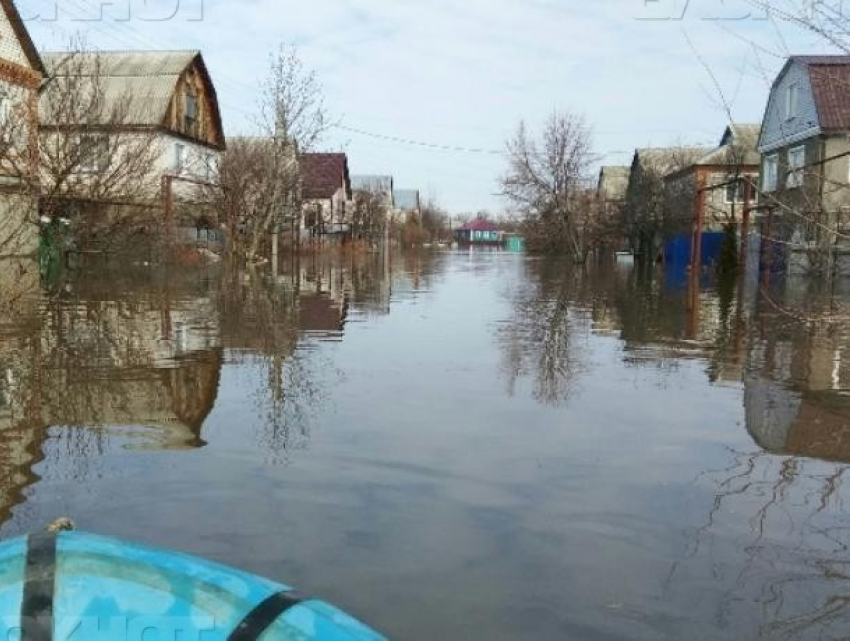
[{"x": 462, "y": 73}]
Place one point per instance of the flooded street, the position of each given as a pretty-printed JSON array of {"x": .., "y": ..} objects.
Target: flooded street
[{"x": 450, "y": 445}]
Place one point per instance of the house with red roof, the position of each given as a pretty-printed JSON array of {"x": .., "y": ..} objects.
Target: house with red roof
[
  {"x": 326, "y": 194},
  {"x": 478, "y": 232},
  {"x": 805, "y": 164}
]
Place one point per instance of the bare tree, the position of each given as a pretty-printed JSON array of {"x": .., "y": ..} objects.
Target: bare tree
[
  {"x": 543, "y": 177},
  {"x": 369, "y": 219},
  {"x": 94, "y": 165},
  {"x": 260, "y": 185}
]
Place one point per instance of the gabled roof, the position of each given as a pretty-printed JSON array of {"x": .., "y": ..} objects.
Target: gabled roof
[
  {"x": 665, "y": 160},
  {"x": 372, "y": 183},
  {"x": 23, "y": 36},
  {"x": 738, "y": 146},
  {"x": 407, "y": 199},
  {"x": 480, "y": 224},
  {"x": 613, "y": 182},
  {"x": 831, "y": 89},
  {"x": 322, "y": 175},
  {"x": 147, "y": 80},
  {"x": 830, "y": 81}
]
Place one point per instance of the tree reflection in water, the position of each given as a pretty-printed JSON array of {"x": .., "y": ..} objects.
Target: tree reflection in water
[
  {"x": 775, "y": 542},
  {"x": 776, "y": 535},
  {"x": 132, "y": 356},
  {"x": 541, "y": 341}
]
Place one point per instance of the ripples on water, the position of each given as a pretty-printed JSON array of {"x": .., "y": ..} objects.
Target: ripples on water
[{"x": 452, "y": 446}]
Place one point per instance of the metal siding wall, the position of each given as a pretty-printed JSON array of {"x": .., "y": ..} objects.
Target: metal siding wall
[{"x": 776, "y": 127}]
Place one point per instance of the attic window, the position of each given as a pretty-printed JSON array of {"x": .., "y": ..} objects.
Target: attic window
[
  {"x": 792, "y": 100},
  {"x": 190, "y": 113}
]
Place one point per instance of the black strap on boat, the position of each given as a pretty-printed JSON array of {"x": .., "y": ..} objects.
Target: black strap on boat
[
  {"x": 39, "y": 586},
  {"x": 261, "y": 618}
]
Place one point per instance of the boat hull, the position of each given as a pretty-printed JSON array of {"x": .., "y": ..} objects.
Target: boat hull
[{"x": 72, "y": 585}]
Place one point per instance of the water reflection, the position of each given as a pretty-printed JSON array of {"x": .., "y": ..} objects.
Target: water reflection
[
  {"x": 774, "y": 540},
  {"x": 133, "y": 355},
  {"x": 692, "y": 442}
]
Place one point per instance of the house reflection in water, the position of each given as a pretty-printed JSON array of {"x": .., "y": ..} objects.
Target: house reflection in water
[
  {"x": 141, "y": 366},
  {"x": 797, "y": 394}
]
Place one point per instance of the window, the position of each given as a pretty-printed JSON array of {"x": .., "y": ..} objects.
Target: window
[
  {"x": 5, "y": 108},
  {"x": 737, "y": 192},
  {"x": 190, "y": 115},
  {"x": 792, "y": 100},
  {"x": 94, "y": 153},
  {"x": 179, "y": 157},
  {"x": 796, "y": 163},
  {"x": 770, "y": 174}
]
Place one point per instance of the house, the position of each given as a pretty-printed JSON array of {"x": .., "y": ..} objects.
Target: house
[
  {"x": 715, "y": 188},
  {"x": 612, "y": 184},
  {"x": 382, "y": 186},
  {"x": 805, "y": 167},
  {"x": 326, "y": 194},
  {"x": 21, "y": 74},
  {"x": 374, "y": 197},
  {"x": 408, "y": 202},
  {"x": 479, "y": 232},
  {"x": 128, "y": 129},
  {"x": 648, "y": 219},
  {"x": 714, "y": 194}
]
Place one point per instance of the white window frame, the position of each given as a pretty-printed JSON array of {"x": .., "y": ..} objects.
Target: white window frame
[
  {"x": 179, "y": 157},
  {"x": 796, "y": 167},
  {"x": 792, "y": 101},
  {"x": 770, "y": 179},
  {"x": 740, "y": 196},
  {"x": 5, "y": 108}
]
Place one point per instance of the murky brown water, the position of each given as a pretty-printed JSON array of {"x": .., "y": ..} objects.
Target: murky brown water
[{"x": 451, "y": 446}]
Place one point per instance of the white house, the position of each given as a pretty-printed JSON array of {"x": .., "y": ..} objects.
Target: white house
[
  {"x": 132, "y": 103},
  {"x": 21, "y": 75}
]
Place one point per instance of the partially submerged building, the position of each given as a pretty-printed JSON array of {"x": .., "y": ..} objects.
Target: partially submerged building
[
  {"x": 326, "y": 194},
  {"x": 21, "y": 74},
  {"x": 127, "y": 131},
  {"x": 648, "y": 216},
  {"x": 479, "y": 232},
  {"x": 717, "y": 187},
  {"x": 805, "y": 167}
]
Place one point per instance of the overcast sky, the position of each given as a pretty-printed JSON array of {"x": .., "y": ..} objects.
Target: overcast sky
[{"x": 462, "y": 73}]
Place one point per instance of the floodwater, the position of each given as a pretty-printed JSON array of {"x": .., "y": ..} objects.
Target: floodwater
[{"x": 451, "y": 445}]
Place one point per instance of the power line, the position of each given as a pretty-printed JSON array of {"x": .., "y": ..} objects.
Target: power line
[{"x": 419, "y": 143}]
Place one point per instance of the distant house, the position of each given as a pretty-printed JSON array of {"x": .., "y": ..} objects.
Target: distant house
[
  {"x": 162, "y": 102},
  {"x": 478, "y": 232},
  {"x": 326, "y": 193},
  {"x": 714, "y": 190},
  {"x": 648, "y": 217},
  {"x": 805, "y": 168},
  {"x": 21, "y": 74},
  {"x": 379, "y": 191},
  {"x": 383, "y": 186},
  {"x": 407, "y": 202},
  {"x": 613, "y": 184}
]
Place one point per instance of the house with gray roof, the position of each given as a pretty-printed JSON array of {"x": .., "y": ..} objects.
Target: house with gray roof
[
  {"x": 407, "y": 201},
  {"x": 161, "y": 100},
  {"x": 716, "y": 189},
  {"x": 612, "y": 184},
  {"x": 805, "y": 168},
  {"x": 649, "y": 219}
]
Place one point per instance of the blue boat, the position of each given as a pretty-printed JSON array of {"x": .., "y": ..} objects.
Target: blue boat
[{"x": 71, "y": 586}]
